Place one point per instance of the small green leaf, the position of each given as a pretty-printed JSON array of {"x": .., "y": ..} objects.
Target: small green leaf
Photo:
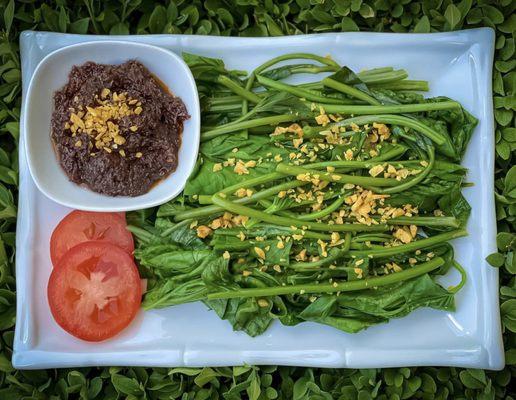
[
  {"x": 500, "y": 42},
  {"x": 206, "y": 375},
  {"x": 121, "y": 28},
  {"x": 158, "y": 20},
  {"x": 9, "y": 16},
  {"x": 509, "y": 25},
  {"x": 496, "y": 259},
  {"x": 506, "y": 241},
  {"x": 355, "y": 5},
  {"x": 366, "y": 11},
  {"x": 273, "y": 28},
  {"x": 172, "y": 12},
  {"x": 504, "y": 150},
  {"x": 7, "y": 175},
  {"x": 63, "y": 19},
  {"x": 470, "y": 381},
  {"x": 423, "y": 25},
  {"x": 508, "y": 313},
  {"x": 125, "y": 385},
  {"x": 5, "y": 364},
  {"x": 510, "y": 357},
  {"x": 505, "y": 66},
  {"x": 80, "y": 26},
  {"x": 464, "y": 6},
  {"x": 493, "y": 14},
  {"x": 498, "y": 83},
  {"x": 508, "y": 50},
  {"x": 510, "y": 262},
  {"x": 94, "y": 387},
  {"x": 237, "y": 371},
  {"x": 348, "y": 25},
  {"x": 254, "y": 391},
  {"x": 503, "y": 117},
  {"x": 510, "y": 181},
  {"x": 300, "y": 388},
  {"x": 397, "y": 11},
  {"x": 452, "y": 16},
  {"x": 271, "y": 393},
  {"x": 185, "y": 371}
]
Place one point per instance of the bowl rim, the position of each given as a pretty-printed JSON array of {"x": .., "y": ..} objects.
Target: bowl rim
[{"x": 190, "y": 160}]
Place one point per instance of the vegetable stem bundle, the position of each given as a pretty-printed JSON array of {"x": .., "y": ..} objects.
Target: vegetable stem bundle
[{"x": 333, "y": 201}]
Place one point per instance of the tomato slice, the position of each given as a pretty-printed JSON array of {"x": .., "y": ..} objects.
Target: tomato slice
[
  {"x": 82, "y": 226},
  {"x": 95, "y": 291}
]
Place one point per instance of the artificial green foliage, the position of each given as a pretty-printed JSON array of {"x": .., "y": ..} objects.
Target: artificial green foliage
[{"x": 260, "y": 18}]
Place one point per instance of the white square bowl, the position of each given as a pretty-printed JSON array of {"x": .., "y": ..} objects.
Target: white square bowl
[
  {"x": 51, "y": 74},
  {"x": 458, "y": 65}
]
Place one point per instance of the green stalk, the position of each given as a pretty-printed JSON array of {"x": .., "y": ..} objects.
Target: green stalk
[
  {"x": 349, "y": 286},
  {"x": 253, "y": 123},
  {"x": 237, "y": 89},
  {"x": 389, "y": 109},
  {"x": 349, "y": 90},
  {"x": 306, "y": 217},
  {"x": 324, "y": 261},
  {"x": 412, "y": 246},
  {"x": 391, "y": 76},
  {"x": 415, "y": 180},
  {"x": 335, "y": 177},
  {"x": 310, "y": 69},
  {"x": 168, "y": 231},
  {"x": 463, "y": 278},
  {"x": 284, "y": 221},
  {"x": 214, "y": 209},
  {"x": 204, "y": 199},
  {"x": 248, "y": 233},
  {"x": 376, "y": 237},
  {"x": 388, "y": 155},
  {"x": 325, "y": 211},
  {"x": 141, "y": 234},
  {"x": 374, "y": 71},
  {"x": 311, "y": 85},
  {"x": 224, "y": 100},
  {"x": 327, "y": 196},
  {"x": 247, "y": 184},
  {"x": 396, "y": 120},
  {"x": 194, "y": 296},
  {"x": 451, "y": 222},
  {"x": 405, "y": 84},
  {"x": 294, "y": 90},
  {"x": 295, "y": 56},
  {"x": 284, "y": 57},
  {"x": 223, "y": 108}
]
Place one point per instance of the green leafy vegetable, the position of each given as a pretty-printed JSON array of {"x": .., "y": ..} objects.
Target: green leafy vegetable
[
  {"x": 281, "y": 223},
  {"x": 257, "y": 18}
]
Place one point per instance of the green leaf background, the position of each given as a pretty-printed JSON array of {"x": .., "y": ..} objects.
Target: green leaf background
[{"x": 259, "y": 18}]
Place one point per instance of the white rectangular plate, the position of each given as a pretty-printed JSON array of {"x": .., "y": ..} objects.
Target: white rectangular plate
[{"x": 457, "y": 65}]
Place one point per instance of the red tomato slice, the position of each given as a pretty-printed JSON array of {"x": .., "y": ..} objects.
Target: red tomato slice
[
  {"x": 82, "y": 226},
  {"x": 95, "y": 291}
]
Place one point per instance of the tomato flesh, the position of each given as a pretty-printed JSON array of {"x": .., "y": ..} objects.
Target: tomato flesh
[
  {"x": 95, "y": 291},
  {"x": 82, "y": 226}
]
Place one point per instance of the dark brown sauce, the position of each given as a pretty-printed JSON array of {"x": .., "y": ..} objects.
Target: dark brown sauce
[
  {"x": 166, "y": 89},
  {"x": 157, "y": 139}
]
